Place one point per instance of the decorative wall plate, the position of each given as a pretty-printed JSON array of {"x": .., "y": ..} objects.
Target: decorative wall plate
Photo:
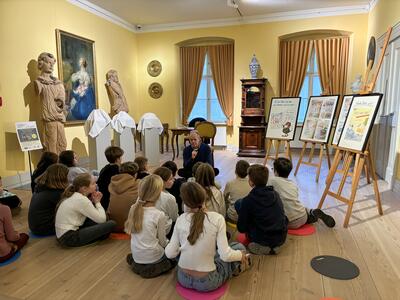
[
  {"x": 154, "y": 68},
  {"x": 155, "y": 90}
]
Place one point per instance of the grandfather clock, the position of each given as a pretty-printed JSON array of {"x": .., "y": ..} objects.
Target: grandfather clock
[{"x": 252, "y": 129}]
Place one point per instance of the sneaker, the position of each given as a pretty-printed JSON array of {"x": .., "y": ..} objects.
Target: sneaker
[
  {"x": 258, "y": 249},
  {"x": 327, "y": 219},
  {"x": 244, "y": 266}
]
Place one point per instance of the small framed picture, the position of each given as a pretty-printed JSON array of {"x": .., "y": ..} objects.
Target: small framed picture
[
  {"x": 344, "y": 110},
  {"x": 282, "y": 118},
  {"x": 359, "y": 122},
  {"x": 319, "y": 118},
  {"x": 77, "y": 70}
]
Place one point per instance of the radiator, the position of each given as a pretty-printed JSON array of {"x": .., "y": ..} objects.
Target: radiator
[{"x": 220, "y": 136}]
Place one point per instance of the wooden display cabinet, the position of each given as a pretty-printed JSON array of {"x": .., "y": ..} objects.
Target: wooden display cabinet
[{"x": 253, "y": 127}]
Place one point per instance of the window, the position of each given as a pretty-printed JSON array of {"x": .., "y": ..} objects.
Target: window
[
  {"x": 311, "y": 86},
  {"x": 207, "y": 104}
]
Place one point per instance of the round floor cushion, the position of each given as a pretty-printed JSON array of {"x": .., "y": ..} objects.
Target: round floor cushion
[{"x": 335, "y": 267}]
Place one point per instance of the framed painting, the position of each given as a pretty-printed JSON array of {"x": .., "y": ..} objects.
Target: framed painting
[
  {"x": 359, "y": 122},
  {"x": 344, "y": 110},
  {"x": 77, "y": 70},
  {"x": 319, "y": 118},
  {"x": 282, "y": 118}
]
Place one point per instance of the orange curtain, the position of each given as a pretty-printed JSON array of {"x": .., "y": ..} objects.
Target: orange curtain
[
  {"x": 293, "y": 61},
  {"x": 192, "y": 63},
  {"x": 332, "y": 58},
  {"x": 222, "y": 67}
]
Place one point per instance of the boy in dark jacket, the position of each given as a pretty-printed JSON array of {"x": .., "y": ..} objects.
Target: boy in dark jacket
[
  {"x": 260, "y": 214},
  {"x": 114, "y": 157}
]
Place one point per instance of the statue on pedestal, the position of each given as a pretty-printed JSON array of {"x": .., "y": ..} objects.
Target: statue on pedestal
[
  {"x": 115, "y": 94},
  {"x": 52, "y": 95}
]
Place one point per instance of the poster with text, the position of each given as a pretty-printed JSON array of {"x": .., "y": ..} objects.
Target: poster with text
[
  {"x": 319, "y": 118},
  {"x": 344, "y": 110},
  {"x": 283, "y": 118},
  {"x": 359, "y": 122},
  {"x": 28, "y": 136}
]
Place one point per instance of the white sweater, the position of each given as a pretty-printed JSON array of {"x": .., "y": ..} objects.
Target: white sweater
[
  {"x": 73, "y": 212},
  {"x": 148, "y": 245},
  {"x": 167, "y": 204},
  {"x": 200, "y": 256}
]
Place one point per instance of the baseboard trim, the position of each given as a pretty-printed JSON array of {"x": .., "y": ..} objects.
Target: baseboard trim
[{"x": 18, "y": 180}]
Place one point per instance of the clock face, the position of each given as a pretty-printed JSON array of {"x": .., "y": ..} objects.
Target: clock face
[{"x": 154, "y": 68}]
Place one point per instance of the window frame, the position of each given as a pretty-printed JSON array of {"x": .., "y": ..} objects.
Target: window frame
[
  {"x": 209, "y": 81},
  {"x": 310, "y": 74}
]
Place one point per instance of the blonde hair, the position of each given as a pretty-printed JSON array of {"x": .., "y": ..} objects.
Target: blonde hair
[
  {"x": 82, "y": 180},
  {"x": 149, "y": 191}
]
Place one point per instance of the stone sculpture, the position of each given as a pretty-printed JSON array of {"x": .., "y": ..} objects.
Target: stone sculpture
[{"x": 115, "y": 93}]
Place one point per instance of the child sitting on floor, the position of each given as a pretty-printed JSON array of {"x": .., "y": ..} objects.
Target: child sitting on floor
[
  {"x": 297, "y": 214},
  {"x": 80, "y": 218},
  {"x": 167, "y": 202},
  {"x": 143, "y": 167},
  {"x": 114, "y": 157},
  {"x": 205, "y": 176},
  {"x": 9, "y": 199},
  {"x": 70, "y": 159},
  {"x": 176, "y": 187},
  {"x": 42, "y": 208},
  {"x": 10, "y": 240},
  {"x": 195, "y": 236},
  {"x": 146, "y": 225},
  {"x": 260, "y": 214},
  {"x": 236, "y": 189},
  {"x": 123, "y": 189}
]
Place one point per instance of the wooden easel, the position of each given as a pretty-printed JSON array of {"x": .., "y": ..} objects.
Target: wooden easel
[
  {"x": 311, "y": 155},
  {"x": 362, "y": 159},
  {"x": 276, "y": 144}
]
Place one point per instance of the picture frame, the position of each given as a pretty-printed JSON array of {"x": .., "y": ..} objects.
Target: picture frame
[
  {"x": 77, "y": 70},
  {"x": 319, "y": 117},
  {"x": 344, "y": 110},
  {"x": 282, "y": 119},
  {"x": 359, "y": 122}
]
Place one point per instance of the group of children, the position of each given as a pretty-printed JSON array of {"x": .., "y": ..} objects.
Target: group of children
[{"x": 80, "y": 208}]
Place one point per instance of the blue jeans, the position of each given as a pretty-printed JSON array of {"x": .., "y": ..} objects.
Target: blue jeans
[{"x": 213, "y": 279}]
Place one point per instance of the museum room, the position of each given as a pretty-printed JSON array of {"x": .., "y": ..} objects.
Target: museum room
[{"x": 139, "y": 138}]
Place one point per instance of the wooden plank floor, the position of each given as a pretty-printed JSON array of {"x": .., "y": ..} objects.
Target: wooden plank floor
[{"x": 99, "y": 271}]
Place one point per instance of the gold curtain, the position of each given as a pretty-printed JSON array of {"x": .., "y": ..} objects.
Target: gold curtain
[
  {"x": 293, "y": 61},
  {"x": 222, "y": 67},
  {"x": 192, "y": 63},
  {"x": 332, "y": 58}
]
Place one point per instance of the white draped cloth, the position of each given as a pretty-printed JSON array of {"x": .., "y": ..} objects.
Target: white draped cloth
[
  {"x": 96, "y": 122},
  {"x": 150, "y": 121},
  {"x": 121, "y": 121}
]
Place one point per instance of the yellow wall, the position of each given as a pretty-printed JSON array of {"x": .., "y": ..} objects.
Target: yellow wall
[
  {"x": 386, "y": 13},
  {"x": 27, "y": 28},
  {"x": 261, "y": 39}
]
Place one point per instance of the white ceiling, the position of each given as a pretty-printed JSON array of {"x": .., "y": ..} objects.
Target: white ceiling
[{"x": 159, "y": 13}]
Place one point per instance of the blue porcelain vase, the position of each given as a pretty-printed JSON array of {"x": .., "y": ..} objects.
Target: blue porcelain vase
[{"x": 254, "y": 67}]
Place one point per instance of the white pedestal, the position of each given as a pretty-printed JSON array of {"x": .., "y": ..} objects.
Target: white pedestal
[
  {"x": 151, "y": 146},
  {"x": 97, "y": 146},
  {"x": 126, "y": 142}
]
